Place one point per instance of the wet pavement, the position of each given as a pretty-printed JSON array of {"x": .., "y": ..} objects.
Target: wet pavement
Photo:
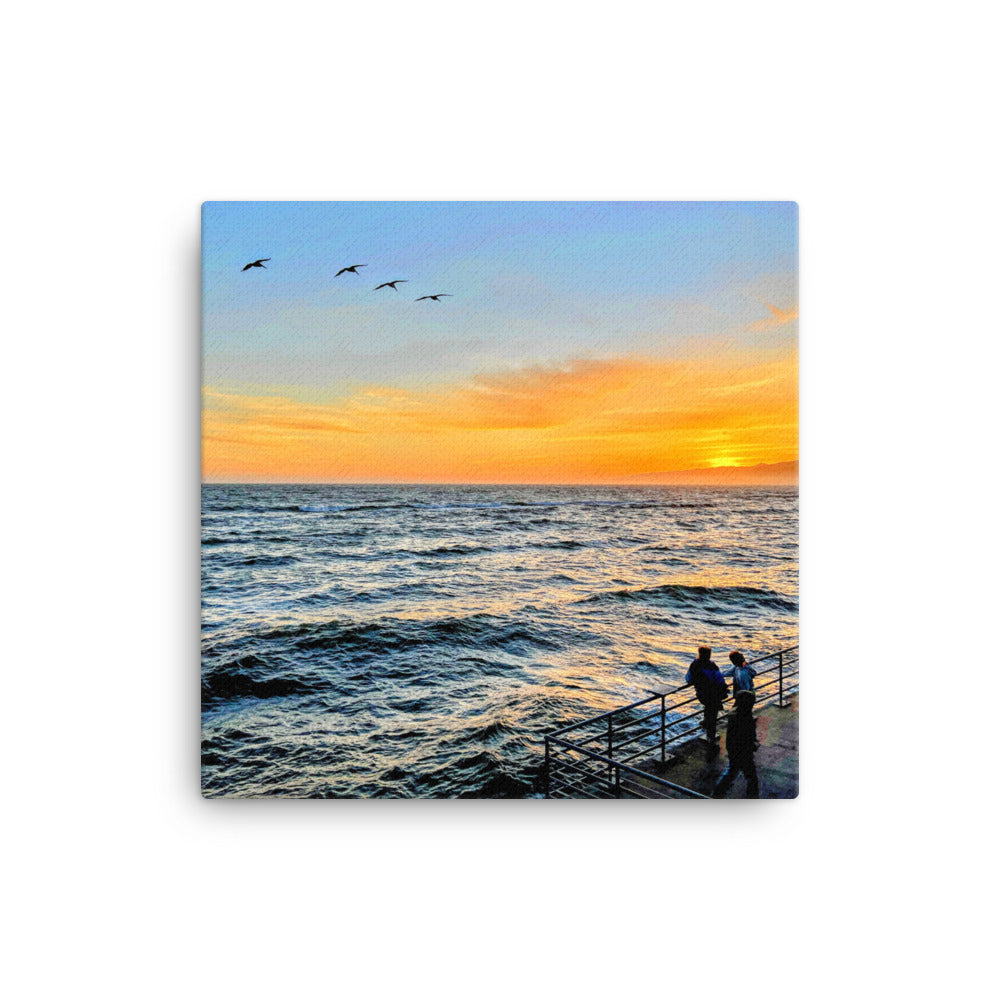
[{"x": 699, "y": 764}]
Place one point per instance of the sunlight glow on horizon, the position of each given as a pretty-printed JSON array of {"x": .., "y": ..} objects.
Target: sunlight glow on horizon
[{"x": 584, "y": 422}]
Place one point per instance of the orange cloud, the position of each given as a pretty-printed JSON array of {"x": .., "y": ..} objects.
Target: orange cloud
[
  {"x": 585, "y": 421},
  {"x": 778, "y": 317},
  {"x": 785, "y": 315}
]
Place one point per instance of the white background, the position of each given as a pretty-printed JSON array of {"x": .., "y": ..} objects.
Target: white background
[{"x": 120, "y": 120}]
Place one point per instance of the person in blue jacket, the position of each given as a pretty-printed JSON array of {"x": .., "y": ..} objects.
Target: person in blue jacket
[
  {"x": 742, "y": 675},
  {"x": 709, "y": 686}
]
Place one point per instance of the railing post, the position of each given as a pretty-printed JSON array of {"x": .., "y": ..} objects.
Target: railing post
[
  {"x": 663, "y": 729},
  {"x": 609, "y": 749},
  {"x": 618, "y": 782},
  {"x": 548, "y": 786},
  {"x": 781, "y": 680}
]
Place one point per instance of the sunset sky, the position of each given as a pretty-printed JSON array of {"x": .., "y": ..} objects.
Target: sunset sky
[{"x": 585, "y": 342}]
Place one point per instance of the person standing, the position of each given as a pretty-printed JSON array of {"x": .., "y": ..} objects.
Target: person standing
[
  {"x": 741, "y": 744},
  {"x": 709, "y": 686},
  {"x": 742, "y": 675}
]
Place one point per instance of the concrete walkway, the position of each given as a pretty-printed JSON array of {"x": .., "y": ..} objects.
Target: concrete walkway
[{"x": 699, "y": 764}]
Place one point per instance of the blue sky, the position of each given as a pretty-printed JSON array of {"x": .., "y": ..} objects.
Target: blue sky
[{"x": 534, "y": 283}]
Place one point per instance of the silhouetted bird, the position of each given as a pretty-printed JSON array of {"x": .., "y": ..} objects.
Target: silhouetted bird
[
  {"x": 257, "y": 263},
  {"x": 436, "y": 298},
  {"x": 390, "y": 284},
  {"x": 353, "y": 269}
]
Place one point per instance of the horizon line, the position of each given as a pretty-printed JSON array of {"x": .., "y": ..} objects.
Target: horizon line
[
  {"x": 717, "y": 476},
  {"x": 380, "y": 482}
]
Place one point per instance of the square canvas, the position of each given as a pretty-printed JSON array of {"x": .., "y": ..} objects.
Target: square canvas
[{"x": 500, "y": 500}]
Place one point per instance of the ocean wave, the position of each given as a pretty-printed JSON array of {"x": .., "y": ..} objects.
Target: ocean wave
[
  {"x": 268, "y": 561},
  {"x": 492, "y": 780},
  {"x": 679, "y": 594},
  {"x": 385, "y": 635},
  {"x": 510, "y": 505},
  {"x": 461, "y": 506},
  {"x": 211, "y": 508},
  {"x": 404, "y": 590},
  {"x": 446, "y": 550},
  {"x": 669, "y": 560},
  {"x": 250, "y": 538},
  {"x": 247, "y": 677},
  {"x": 488, "y": 733}
]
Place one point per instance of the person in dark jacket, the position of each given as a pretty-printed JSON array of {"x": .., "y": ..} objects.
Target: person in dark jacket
[
  {"x": 709, "y": 686},
  {"x": 741, "y": 744}
]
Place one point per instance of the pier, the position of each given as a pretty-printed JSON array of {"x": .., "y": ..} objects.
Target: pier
[{"x": 654, "y": 748}]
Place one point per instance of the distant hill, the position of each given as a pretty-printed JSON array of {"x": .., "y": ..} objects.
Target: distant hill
[{"x": 778, "y": 474}]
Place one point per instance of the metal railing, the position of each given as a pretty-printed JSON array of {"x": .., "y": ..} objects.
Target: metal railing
[{"x": 592, "y": 759}]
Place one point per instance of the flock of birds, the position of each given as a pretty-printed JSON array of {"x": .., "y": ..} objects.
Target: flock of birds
[{"x": 353, "y": 269}]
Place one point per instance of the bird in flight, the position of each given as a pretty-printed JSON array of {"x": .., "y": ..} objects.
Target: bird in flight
[
  {"x": 353, "y": 269},
  {"x": 436, "y": 298},
  {"x": 390, "y": 284},
  {"x": 257, "y": 263}
]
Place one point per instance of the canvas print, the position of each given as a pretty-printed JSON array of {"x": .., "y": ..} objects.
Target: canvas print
[{"x": 500, "y": 500}]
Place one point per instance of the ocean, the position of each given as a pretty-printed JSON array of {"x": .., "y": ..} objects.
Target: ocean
[{"x": 418, "y": 641}]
